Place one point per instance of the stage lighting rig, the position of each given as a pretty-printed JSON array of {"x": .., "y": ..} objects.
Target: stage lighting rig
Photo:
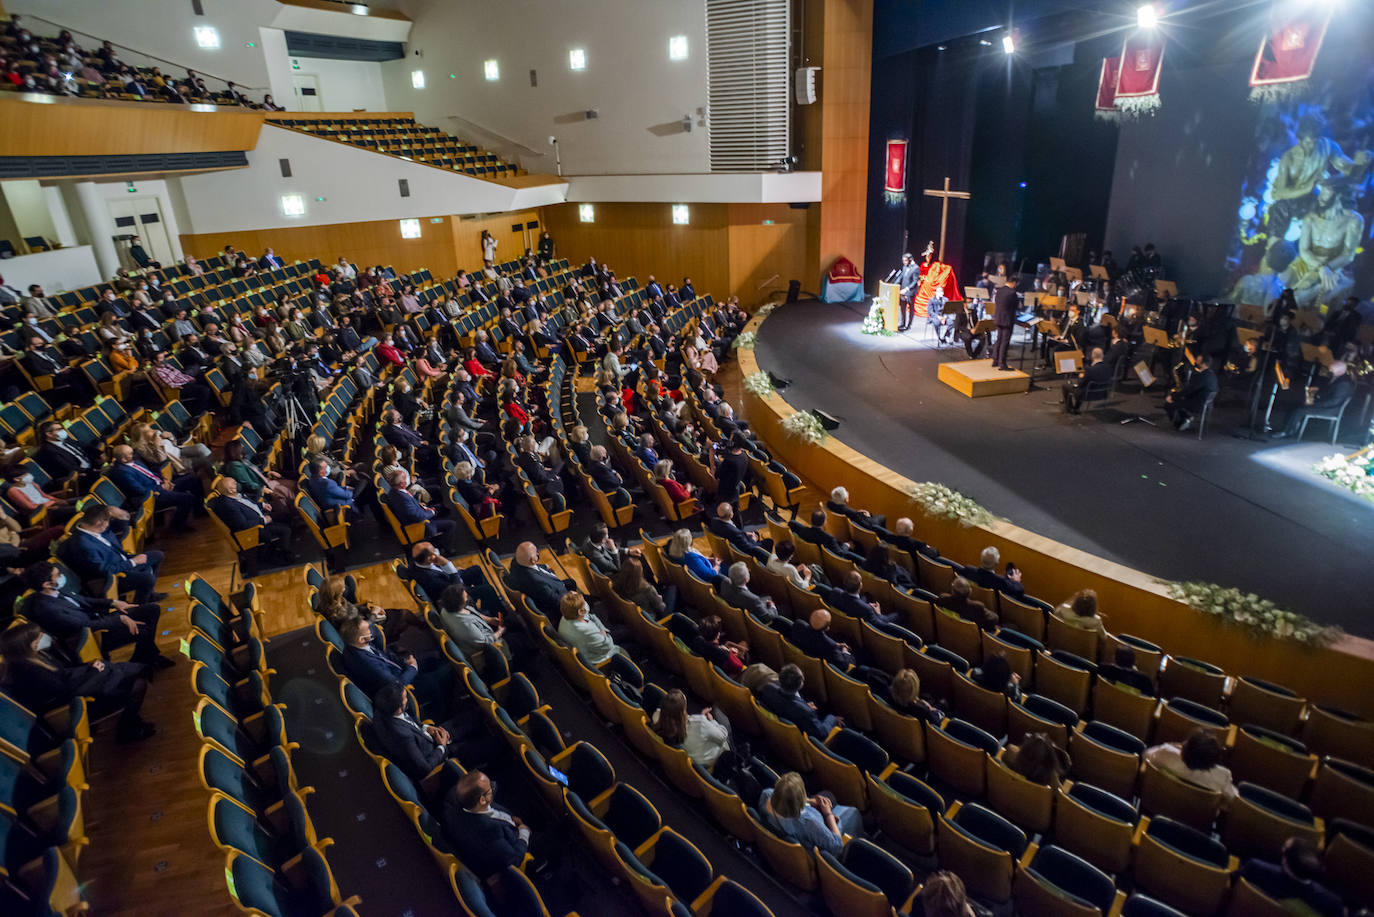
[
  {"x": 1147, "y": 16},
  {"x": 1009, "y": 43}
]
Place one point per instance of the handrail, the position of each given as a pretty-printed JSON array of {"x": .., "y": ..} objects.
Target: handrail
[{"x": 153, "y": 57}]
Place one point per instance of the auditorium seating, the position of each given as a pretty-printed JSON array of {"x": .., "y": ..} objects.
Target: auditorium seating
[{"x": 406, "y": 138}]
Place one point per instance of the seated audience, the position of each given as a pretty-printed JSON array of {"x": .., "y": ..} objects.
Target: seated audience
[
  {"x": 700, "y": 735},
  {"x": 1197, "y": 760},
  {"x": 1039, "y": 760},
  {"x": 816, "y": 821},
  {"x": 680, "y": 550},
  {"x": 1295, "y": 880},
  {"x": 995, "y": 674},
  {"x": 1124, "y": 672},
  {"x": 1081, "y": 611},
  {"x": 783, "y": 699},
  {"x": 959, "y": 601}
]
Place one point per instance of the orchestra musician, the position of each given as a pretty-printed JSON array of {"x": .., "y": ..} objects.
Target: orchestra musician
[
  {"x": 1329, "y": 396},
  {"x": 1069, "y": 337},
  {"x": 1075, "y": 388},
  {"x": 1188, "y": 399},
  {"x": 964, "y": 323},
  {"x": 908, "y": 278}
]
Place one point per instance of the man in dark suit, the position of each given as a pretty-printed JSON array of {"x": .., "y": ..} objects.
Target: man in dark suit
[
  {"x": 61, "y": 456},
  {"x": 528, "y": 576},
  {"x": 723, "y": 526},
  {"x": 66, "y": 615},
  {"x": 817, "y": 535},
  {"x": 404, "y": 438},
  {"x": 135, "y": 480},
  {"x": 484, "y": 836},
  {"x": 783, "y": 699},
  {"x": 544, "y": 479},
  {"x": 908, "y": 278},
  {"x": 409, "y": 510},
  {"x": 415, "y": 747},
  {"x": 239, "y": 513},
  {"x": 735, "y": 590},
  {"x": 901, "y": 537},
  {"x": 732, "y": 470},
  {"x": 325, "y": 491},
  {"x": 38, "y": 362},
  {"x": 960, "y": 601},
  {"x": 1326, "y": 398},
  {"x": 1005, "y": 305},
  {"x": 606, "y": 477},
  {"x": 646, "y": 452},
  {"x": 849, "y": 599},
  {"x": 371, "y": 668},
  {"x": 1193, "y": 397},
  {"x": 1124, "y": 672},
  {"x": 986, "y": 575},
  {"x": 839, "y": 504},
  {"x": 94, "y": 555},
  {"x": 434, "y": 573},
  {"x": 813, "y": 638},
  {"x": 1099, "y": 372}
]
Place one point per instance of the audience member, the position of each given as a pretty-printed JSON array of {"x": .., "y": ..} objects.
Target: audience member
[
  {"x": 816, "y": 821},
  {"x": 1197, "y": 760}
]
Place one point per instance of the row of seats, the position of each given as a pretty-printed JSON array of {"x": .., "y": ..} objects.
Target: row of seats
[{"x": 408, "y": 139}]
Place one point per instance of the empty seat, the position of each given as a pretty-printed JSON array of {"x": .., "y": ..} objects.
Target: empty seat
[
  {"x": 1271, "y": 760},
  {"x": 1263, "y": 703},
  {"x": 1096, "y": 825},
  {"x": 1106, "y": 757},
  {"x": 1345, "y": 790},
  {"x": 1332, "y": 731},
  {"x": 1055, "y": 883},
  {"x": 958, "y": 753},
  {"x": 865, "y": 880},
  {"x": 982, "y": 847},
  {"x": 1259, "y": 821},
  {"x": 1061, "y": 676},
  {"x": 1179, "y": 718},
  {"x": 906, "y": 810},
  {"x": 1182, "y": 866},
  {"x": 1193, "y": 679},
  {"x": 1349, "y": 860}
]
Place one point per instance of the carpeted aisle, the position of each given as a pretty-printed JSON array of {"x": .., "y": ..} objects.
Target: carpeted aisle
[{"x": 1223, "y": 509}]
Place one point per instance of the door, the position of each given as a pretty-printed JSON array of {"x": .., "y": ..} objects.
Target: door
[
  {"x": 142, "y": 217},
  {"x": 307, "y": 87}
]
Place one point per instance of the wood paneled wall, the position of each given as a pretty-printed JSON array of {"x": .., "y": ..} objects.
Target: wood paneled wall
[
  {"x": 637, "y": 240},
  {"x": 727, "y": 249},
  {"x": 443, "y": 247},
  {"x": 847, "y": 58},
  {"x": 87, "y": 127},
  {"x": 373, "y": 242}
]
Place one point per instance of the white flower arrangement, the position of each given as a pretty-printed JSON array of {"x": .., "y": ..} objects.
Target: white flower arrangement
[
  {"x": 746, "y": 340},
  {"x": 874, "y": 322},
  {"x": 758, "y": 384},
  {"x": 765, "y": 310},
  {"x": 805, "y": 427},
  {"x": 1261, "y": 616},
  {"x": 1353, "y": 472},
  {"x": 947, "y": 503}
]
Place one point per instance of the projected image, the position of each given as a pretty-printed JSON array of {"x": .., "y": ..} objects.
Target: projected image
[{"x": 1306, "y": 204}]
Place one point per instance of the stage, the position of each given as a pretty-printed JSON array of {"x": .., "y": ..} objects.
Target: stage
[{"x": 1226, "y": 510}]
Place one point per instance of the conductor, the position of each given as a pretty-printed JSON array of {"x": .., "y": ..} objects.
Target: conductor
[
  {"x": 1004, "y": 319},
  {"x": 908, "y": 277}
]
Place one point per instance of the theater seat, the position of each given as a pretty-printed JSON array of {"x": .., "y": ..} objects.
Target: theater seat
[
  {"x": 982, "y": 847},
  {"x": 864, "y": 881},
  {"x": 1055, "y": 883},
  {"x": 1183, "y": 867},
  {"x": 1096, "y": 825},
  {"x": 906, "y": 810}
]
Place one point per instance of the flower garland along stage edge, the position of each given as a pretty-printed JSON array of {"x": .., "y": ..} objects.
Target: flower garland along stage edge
[
  {"x": 758, "y": 384},
  {"x": 874, "y": 322},
  {"x": 1248, "y": 610},
  {"x": 805, "y": 427},
  {"x": 746, "y": 340},
  {"x": 947, "y": 503},
  {"x": 765, "y": 310},
  {"x": 1353, "y": 472}
]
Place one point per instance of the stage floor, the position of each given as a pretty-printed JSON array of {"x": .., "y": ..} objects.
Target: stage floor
[{"x": 1225, "y": 510}]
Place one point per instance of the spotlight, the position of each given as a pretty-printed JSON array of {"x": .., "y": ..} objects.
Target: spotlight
[
  {"x": 1009, "y": 44},
  {"x": 984, "y": 42},
  {"x": 1147, "y": 17},
  {"x": 940, "y": 48}
]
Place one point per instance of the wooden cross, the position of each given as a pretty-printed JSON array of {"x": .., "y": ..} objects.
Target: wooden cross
[{"x": 945, "y": 195}]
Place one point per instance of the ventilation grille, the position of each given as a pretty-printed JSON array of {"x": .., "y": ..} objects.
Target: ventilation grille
[
  {"x": 748, "y": 75},
  {"x": 50, "y": 166}
]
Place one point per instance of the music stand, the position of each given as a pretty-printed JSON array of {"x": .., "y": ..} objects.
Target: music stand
[
  {"x": 1067, "y": 361},
  {"x": 1166, "y": 289},
  {"x": 1158, "y": 337},
  {"x": 1248, "y": 313},
  {"x": 985, "y": 326},
  {"x": 1248, "y": 334},
  {"x": 1073, "y": 273},
  {"x": 1311, "y": 353},
  {"x": 1082, "y": 296},
  {"x": 1098, "y": 272},
  {"x": 1309, "y": 320},
  {"x": 1110, "y": 320},
  {"x": 1057, "y": 264}
]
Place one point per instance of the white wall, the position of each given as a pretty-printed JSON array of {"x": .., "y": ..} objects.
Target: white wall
[
  {"x": 238, "y": 199},
  {"x": 55, "y": 271},
  {"x": 165, "y": 194},
  {"x": 714, "y": 187},
  {"x": 640, "y": 94},
  {"x": 29, "y": 206},
  {"x": 345, "y": 85}
]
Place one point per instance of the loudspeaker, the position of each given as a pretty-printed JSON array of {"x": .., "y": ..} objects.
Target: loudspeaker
[
  {"x": 793, "y": 290},
  {"x": 828, "y": 422},
  {"x": 285, "y": 167},
  {"x": 778, "y": 382},
  {"x": 806, "y": 85},
  {"x": 803, "y": 205},
  {"x": 403, "y": 184}
]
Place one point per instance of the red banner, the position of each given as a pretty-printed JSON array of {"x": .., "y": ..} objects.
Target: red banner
[
  {"x": 896, "y": 167},
  {"x": 1137, "y": 84},
  {"x": 1288, "y": 52},
  {"x": 1106, "y": 88}
]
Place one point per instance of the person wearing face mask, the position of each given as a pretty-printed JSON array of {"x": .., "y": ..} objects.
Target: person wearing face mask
[
  {"x": 371, "y": 667},
  {"x": 41, "y": 678},
  {"x": 61, "y": 456},
  {"x": 388, "y": 353},
  {"x": 65, "y": 614},
  {"x": 136, "y": 480},
  {"x": 36, "y": 506},
  {"x": 95, "y": 554}
]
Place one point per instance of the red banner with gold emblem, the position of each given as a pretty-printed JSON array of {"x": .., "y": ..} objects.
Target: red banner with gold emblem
[
  {"x": 896, "y": 167},
  {"x": 1106, "y": 89},
  {"x": 1288, "y": 52},
  {"x": 1137, "y": 83}
]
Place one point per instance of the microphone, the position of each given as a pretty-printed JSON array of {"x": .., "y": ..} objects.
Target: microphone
[{"x": 889, "y": 277}]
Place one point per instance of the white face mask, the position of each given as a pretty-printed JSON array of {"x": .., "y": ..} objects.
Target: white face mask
[
  {"x": 26, "y": 479},
  {"x": 62, "y": 436},
  {"x": 44, "y": 641},
  {"x": 32, "y": 320},
  {"x": 61, "y": 579}
]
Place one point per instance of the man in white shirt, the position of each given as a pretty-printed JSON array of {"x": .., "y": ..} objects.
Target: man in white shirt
[{"x": 346, "y": 270}]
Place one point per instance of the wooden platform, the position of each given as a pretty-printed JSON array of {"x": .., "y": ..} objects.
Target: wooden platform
[{"x": 978, "y": 379}]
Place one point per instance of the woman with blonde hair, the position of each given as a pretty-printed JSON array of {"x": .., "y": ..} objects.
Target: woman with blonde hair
[
  {"x": 812, "y": 821},
  {"x": 663, "y": 476},
  {"x": 681, "y": 551},
  {"x": 158, "y": 447}
]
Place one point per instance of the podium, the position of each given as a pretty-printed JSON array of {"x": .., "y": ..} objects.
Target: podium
[{"x": 889, "y": 297}]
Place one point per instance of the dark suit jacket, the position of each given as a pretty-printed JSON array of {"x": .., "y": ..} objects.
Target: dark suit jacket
[
  {"x": 792, "y": 708},
  {"x": 89, "y": 555},
  {"x": 543, "y": 588},
  {"x": 820, "y": 644},
  {"x": 327, "y": 493},
  {"x": 1200, "y": 387},
  {"x": 38, "y": 363},
  {"x": 66, "y": 619},
  {"x": 988, "y": 579},
  {"x": 235, "y": 515},
  {"x": 742, "y": 597},
  {"x": 400, "y": 436},
  {"x": 732, "y": 534},
  {"x": 406, "y": 508},
  {"x": 1334, "y": 393},
  {"x": 1004, "y": 307},
  {"x": 605, "y": 476},
  {"x": 58, "y": 462},
  {"x": 411, "y": 748},
  {"x": 371, "y": 669},
  {"x": 968, "y": 609},
  {"x": 432, "y": 581},
  {"x": 132, "y": 482},
  {"x": 534, "y": 469},
  {"x": 847, "y": 602},
  {"x": 485, "y": 845},
  {"x": 819, "y": 536}
]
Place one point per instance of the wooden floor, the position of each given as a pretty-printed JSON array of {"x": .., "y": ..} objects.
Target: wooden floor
[{"x": 150, "y": 852}]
